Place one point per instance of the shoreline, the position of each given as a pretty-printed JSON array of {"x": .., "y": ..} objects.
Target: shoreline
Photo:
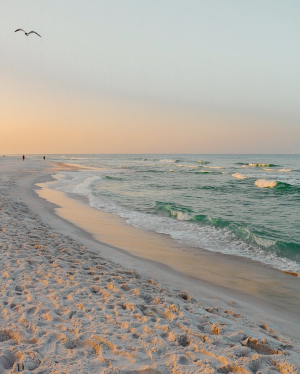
[
  {"x": 272, "y": 300},
  {"x": 71, "y": 304}
]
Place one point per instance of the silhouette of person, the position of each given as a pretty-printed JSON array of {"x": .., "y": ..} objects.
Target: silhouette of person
[
  {"x": 44, "y": 158},
  {"x": 23, "y": 157}
]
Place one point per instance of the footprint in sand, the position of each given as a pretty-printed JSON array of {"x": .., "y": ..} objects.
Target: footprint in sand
[
  {"x": 184, "y": 340},
  {"x": 184, "y": 361},
  {"x": 7, "y": 360},
  {"x": 4, "y": 335},
  {"x": 261, "y": 346},
  {"x": 32, "y": 311}
]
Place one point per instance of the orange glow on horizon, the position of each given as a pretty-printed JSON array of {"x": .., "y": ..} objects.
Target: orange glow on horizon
[{"x": 44, "y": 121}]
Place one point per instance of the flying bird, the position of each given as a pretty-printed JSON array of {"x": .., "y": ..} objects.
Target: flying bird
[{"x": 28, "y": 33}]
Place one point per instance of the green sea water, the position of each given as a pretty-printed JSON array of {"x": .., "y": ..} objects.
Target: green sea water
[{"x": 245, "y": 205}]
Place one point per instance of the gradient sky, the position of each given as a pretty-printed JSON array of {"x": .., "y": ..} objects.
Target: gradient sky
[{"x": 159, "y": 76}]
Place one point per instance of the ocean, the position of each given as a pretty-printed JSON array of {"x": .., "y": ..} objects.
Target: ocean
[{"x": 241, "y": 205}]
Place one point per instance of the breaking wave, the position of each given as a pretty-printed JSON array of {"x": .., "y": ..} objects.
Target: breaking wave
[
  {"x": 263, "y": 183},
  {"x": 168, "y": 161},
  {"x": 282, "y": 187},
  {"x": 239, "y": 176},
  {"x": 187, "y": 166}
]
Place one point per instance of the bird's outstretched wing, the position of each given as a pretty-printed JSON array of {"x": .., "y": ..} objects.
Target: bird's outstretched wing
[
  {"x": 33, "y": 32},
  {"x": 20, "y": 30}
]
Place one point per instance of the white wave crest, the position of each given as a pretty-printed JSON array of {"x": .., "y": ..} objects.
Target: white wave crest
[
  {"x": 165, "y": 160},
  {"x": 239, "y": 176},
  {"x": 264, "y": 242},
  {"x": 263, "y": 183},
  {"x": 213, "y": 167},
  {"x": 285, "y": 170},
  {"x": 187, "y": 166},
  {"x": 83, "y": 188},
  {"x": 180, "y": 216}
]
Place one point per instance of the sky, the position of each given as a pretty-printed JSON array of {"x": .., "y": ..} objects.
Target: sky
[{"x": 159, "y": 76}]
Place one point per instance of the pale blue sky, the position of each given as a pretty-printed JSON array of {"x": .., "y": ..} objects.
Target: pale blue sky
[{"x": 223, "y": 56}]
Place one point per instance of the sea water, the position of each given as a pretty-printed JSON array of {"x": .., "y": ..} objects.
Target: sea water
[{"x": 242, "y": 205}]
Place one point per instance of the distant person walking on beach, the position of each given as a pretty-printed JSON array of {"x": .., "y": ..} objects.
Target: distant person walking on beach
[
  {"x": 44, "y": 158},
  {"x": 23, "y": 157}
]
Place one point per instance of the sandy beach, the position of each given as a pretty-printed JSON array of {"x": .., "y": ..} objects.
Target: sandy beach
[{"x": 72, "y": 304}]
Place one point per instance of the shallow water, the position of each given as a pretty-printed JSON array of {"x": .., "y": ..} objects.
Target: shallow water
[{"x": 246, "y": 205}]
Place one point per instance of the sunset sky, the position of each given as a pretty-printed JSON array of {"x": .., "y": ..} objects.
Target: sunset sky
[{"x": 159, "y": 76}]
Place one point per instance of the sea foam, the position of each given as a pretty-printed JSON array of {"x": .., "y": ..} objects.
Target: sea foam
[
  {"x": 239, "y": 176},
  {"x": 263, "y": 183},
  {"x": 188, "y": 166}
]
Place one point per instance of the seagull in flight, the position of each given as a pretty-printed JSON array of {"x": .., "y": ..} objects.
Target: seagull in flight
[{"x": 28, "y": 33}]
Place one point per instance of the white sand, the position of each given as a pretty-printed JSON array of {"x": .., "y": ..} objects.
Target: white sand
[{"x": 66, "y": 309}]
